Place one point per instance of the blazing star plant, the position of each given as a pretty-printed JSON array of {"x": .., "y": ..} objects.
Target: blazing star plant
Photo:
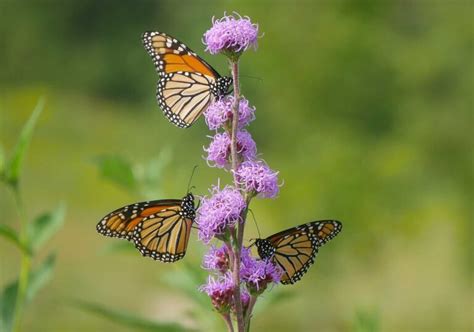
[{"x": 236, "y": 278}]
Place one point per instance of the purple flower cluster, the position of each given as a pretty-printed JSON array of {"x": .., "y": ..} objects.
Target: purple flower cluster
[
  {"x": 256, "y": 177},
  {"x": 256, "y": 273},
  {"x": 219, "y": 212},
  {"x": 217, "y": 259},
  {"x": 219, "y": 113},
  {"x": 218, "y": 151},
  {"x": 221, "y": 291},
  {"x": 231, "y": 33}
]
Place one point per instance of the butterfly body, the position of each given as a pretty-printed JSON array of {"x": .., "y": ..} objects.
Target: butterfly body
[
  {"x": 187, "y": 84},
  {"x": 295, "y": 249},
  {"x": 159, "y": 229}
]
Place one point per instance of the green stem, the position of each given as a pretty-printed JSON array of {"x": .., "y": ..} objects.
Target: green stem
[
  {"x": 228, "y": 322},
  {"x": 25, "y": 264},
  {"x": 234, "y": 63},
  {"x": 248, "y": 316}
]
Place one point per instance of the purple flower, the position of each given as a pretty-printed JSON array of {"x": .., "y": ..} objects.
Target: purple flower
[
  {"x": 257, "y": 274},
  {"x": 217, "y": 259},
  {"x": 231, "y": 33},
  {"x": 220, "y": 290},
  {"x": 220, "y": 112},
  {"x": 218, "y": 152},
  {"x": 218, "y": 212},
  {"x": 257, "y": 177}
]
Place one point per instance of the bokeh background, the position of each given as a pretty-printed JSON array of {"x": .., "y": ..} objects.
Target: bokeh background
[{"x": 365, "y": 109}]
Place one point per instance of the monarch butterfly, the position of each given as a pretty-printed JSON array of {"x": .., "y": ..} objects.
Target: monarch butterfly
[
  {"x": 295, "y": 249},
  {"x": 160, "y": 229},
  {"x": 187, "y": 83}
]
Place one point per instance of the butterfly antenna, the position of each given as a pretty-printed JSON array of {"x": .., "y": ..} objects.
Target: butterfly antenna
[
  {"x": 255, "y": 221},
  {"x": 191, "y": 178}
]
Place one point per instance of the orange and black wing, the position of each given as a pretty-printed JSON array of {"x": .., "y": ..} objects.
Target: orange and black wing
[
  {"x": 170, "y": 55},
  {"x": 160, "y": 229},
  {"x": 122, "y": 222},
  {"x": 164, "y": 236},
  {"x": 295, "y": 249},
  {"x": 187, "y": 83}
]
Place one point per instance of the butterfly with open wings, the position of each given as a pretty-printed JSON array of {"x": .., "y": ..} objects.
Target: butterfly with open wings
[{"x": 159, "y": 229}]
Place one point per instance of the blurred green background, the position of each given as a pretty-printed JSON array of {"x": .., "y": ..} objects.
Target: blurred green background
[{"x": 364, "y": 107}]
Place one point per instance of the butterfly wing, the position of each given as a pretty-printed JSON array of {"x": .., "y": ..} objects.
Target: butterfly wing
[
  {"x": 325, "y": 230},
  {"x": 122, "y": 222},
  {"x": 160, "y": 229},
  {"x": 183, "y": 96},
  {"x": 187, "y": 83},
  {"x": 295, "y": 249},
  {"x": 295, "y": 252},
  {"x": 164, "y": 236},
  {"x": 170, "y": 55}
]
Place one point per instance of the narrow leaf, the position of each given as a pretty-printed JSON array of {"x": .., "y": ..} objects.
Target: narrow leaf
[
  {"x": 7, "y": 306},
  {"x": 117, "y": 170},
  {"x": 13, "y": 169},
  {"x": 37, "y": 280},
  {"x": 151, "y": 174},
  {"x": 129, "y": 320},
  {"x": 40, "y": 276},
  {"x": 45, "y": 226},
  {"x": 10, "y": 234}
]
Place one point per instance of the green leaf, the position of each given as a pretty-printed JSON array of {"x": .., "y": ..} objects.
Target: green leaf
[
  {"x": 13, "y": 169},
  {"x": 37, "y": 280},
  {"x": 117, "y": 170},
  {"x": 129, "y": 320},
  {"x": 10, "y": 234},
  {"x": 150, "y": 174},
  {"x": 40, "y": 276},
  {"x": 7, "y": 306},
  {"x": 45, "y": 226}
]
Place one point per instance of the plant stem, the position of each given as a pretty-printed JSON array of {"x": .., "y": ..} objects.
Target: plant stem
[
  {"x": 25, "y": 264},
  {"x": 228, "y": 322},
  {"x": 234, "y": 64},
  {"x": 248, "y": 316},
  {"x": 235, "y": 114}
]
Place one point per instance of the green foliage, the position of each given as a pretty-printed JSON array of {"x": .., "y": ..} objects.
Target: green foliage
[
  {"x": 142, "y": 178},
  {"x": 15, "y": 164},
  {"x": 117, "y": 170},
  {"x": 38, "y": 279},
  {"x": 128, "y": 320},
  {"x": 45, "y": 226},
  {"x": 29, "y": 238},
  {"x": 11, "y": 235}
]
